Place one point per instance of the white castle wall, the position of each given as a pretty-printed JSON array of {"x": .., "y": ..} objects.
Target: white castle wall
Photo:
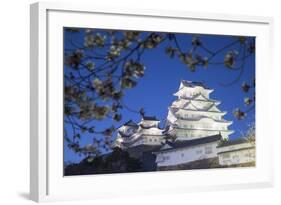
[
  {"x": 236, "y": 154},
  {"x": 185, "y": 155}
]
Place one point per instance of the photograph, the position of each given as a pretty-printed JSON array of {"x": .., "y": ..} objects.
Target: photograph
[{"x": 146, "y": 101}]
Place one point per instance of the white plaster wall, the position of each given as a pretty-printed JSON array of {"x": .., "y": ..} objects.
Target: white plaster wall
[
  {"x": 191, "y": 113},
  {"x": 235, "y": 147},
  {"x": 201, "y": 104},
  {"x": 204, "y": 123},
  {"x": 237, "y": 157},
  {"x": 186, "y": 155},
  {"x": 194, "y": 134},
  {"x": 180, "y": 103},
  {"x": 149, "y": 123},
  {"x": 153, "y": 140}
]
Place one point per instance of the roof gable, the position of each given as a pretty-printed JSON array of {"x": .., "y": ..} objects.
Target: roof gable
[
  {"x": 190, "y": 106},
  {"x": 165, "y": 146},
  {"x": 199, "y": 97},
  {"x": 213, "y": 108}
]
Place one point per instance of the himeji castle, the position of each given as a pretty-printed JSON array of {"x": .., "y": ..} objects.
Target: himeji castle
[{"x": 194, "y": 130}]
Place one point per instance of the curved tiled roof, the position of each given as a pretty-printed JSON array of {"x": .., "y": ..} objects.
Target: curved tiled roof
[
  {"x": 150, "y": 118},
  {"x": 201, "y": 118},
  {"x": 194, "y": 142},
  {"x": 173, "y": 107},
  {"x": 131, "y": 123},
  {"x": 233, "y": 142},
  {"x": 196, "y": 96},
  {"x": 197, "y": 129},
  {"x": 198, "y": 109},
  {"x": 194, "y": 84}
]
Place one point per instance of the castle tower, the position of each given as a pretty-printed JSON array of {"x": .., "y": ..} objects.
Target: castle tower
[
  {"x": 145, "y": 133},
  {"x": 194, "y": 115}
]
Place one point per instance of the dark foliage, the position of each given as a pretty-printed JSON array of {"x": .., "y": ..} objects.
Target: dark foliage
[{"x": 118, "y": 161}]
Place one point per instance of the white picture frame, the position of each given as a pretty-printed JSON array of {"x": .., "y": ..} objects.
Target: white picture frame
[{"x": 46, "y": 177}]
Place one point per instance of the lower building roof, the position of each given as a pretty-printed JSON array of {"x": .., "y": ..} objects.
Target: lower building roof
[
  {"x": 232, "y": 142},
  {"x": 190, "y": 143},
  {"x": 150, "y": 118}
]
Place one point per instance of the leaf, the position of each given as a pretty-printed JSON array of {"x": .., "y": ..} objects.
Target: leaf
[
  {"x": 251, "y": 49},
  {"x": 229, "y": 59},
  {"x": 91, "y": 129},
  {"x": 97, "y": 83},
  {"x": 245, "y": 87},
  {"x": 117, "y": 117},
  {"x": 131, "y": 35},
  {"x": 114, "y": 51},
  {"x": 196, "y": 41},
  {"x": 128, "y": 83},
  {"x": 139, "y": 70},
  {"x": 100, "y": 112},
  {"x": 142, "y": 112},
  {"x": 203, "y": 61},
  {"x": 248, "y": 101},
  {"x": 189, "y": 61},
  {"x": 89, "y": 41},
  {"x": 78, "y": 136},
  {"x": 153, "y": 40},
  {"x": 108, "y": 132},
  {"x": 115, "y": 107},
  {"x": 84, "y": 129},
  {"x": 170, "y": 51},
  {"x": 239, "y": 114},
  {"x": 75, "y": 59},
  {"x": 242, "y": 39},
  {"x": 90, "y": 65}
]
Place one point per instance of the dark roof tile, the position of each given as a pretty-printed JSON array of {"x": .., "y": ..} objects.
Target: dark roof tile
[
  {"x": 233, "y": 142},
  {"x": 150, "y": 118},
  {"x": 188, "y": 143},
  {"x": 131, "y": 123},
  {"x": 193, "y": 84}
]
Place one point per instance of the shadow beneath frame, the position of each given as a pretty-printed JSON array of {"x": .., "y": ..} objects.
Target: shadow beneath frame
[{"x": 24, "y": 195}]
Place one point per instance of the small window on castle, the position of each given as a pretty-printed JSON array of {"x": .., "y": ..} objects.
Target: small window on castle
[
  {"x": 247, "y": 155},
  {"x": 182, "y": 154},
  {"x": 208, "y": 150},
  {"x": 166, "y": 157},
  {"x": 226, "y": 155}
]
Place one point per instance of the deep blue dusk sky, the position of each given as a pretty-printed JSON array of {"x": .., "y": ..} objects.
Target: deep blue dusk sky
[{"x": 154, "y": 92}]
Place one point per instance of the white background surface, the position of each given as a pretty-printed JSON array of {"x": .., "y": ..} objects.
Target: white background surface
[{"x": 14, "y": 103}]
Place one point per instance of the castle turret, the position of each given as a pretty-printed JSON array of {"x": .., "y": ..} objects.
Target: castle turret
[{"x": 147, "y": 132}]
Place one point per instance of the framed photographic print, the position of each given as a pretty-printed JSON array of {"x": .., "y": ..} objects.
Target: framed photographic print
[{"x": 123, "y": 97}]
